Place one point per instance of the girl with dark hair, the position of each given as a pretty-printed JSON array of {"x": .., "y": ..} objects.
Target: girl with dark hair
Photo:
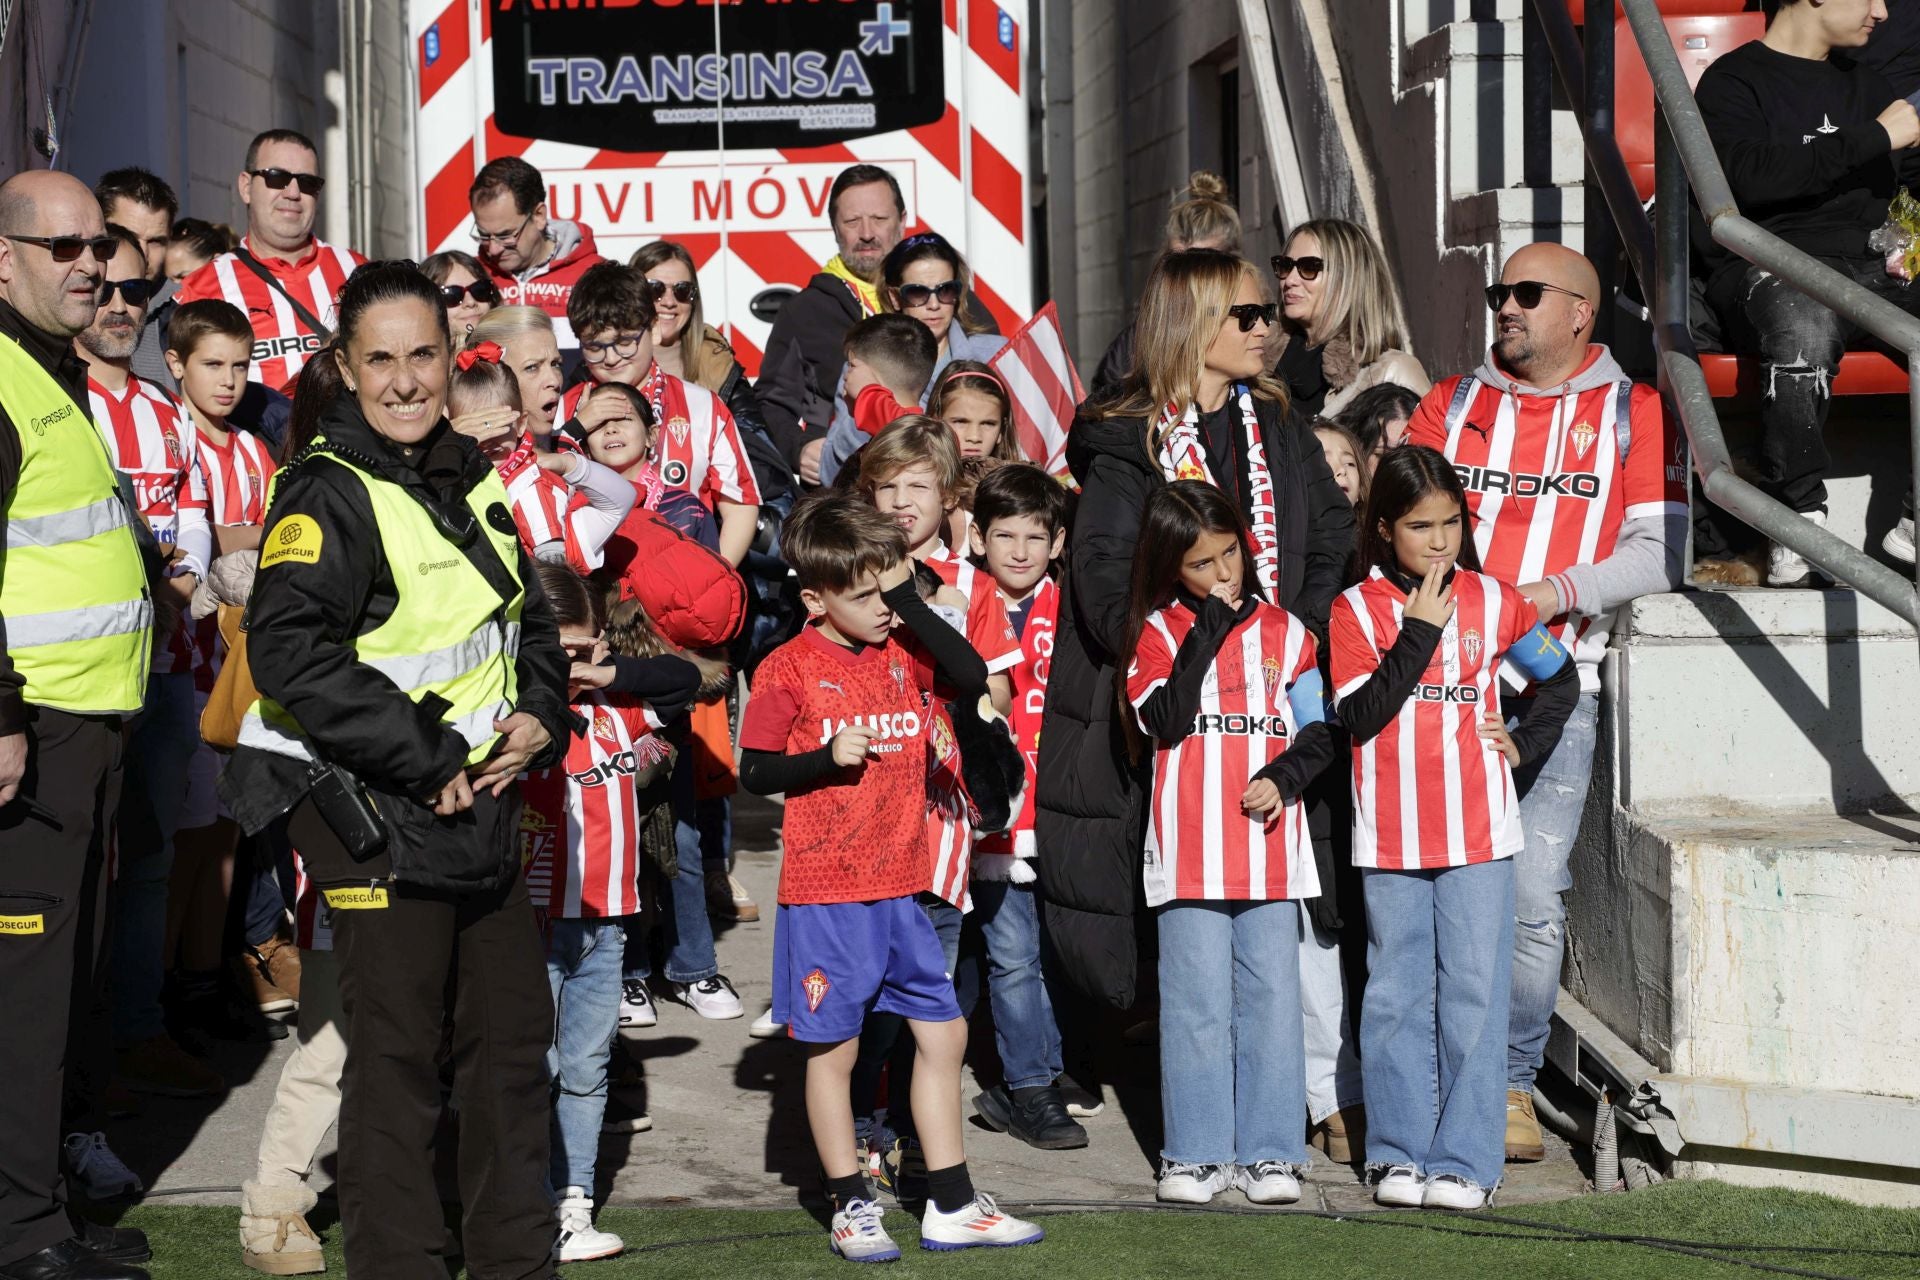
[
  {"x": 1417, "y": 650},
  {"x": 409, "y": 670},
  {"x": 1227, "y": 687}
]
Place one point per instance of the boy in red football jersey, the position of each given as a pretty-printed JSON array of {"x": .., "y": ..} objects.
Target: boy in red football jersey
[{"x": 838, "y": 722}]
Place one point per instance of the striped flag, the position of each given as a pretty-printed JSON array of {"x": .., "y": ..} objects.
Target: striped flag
[{"x": 1045, "y": 387}]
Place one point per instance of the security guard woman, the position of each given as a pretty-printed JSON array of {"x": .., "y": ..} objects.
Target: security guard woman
[{"x": 409, "y": 669}]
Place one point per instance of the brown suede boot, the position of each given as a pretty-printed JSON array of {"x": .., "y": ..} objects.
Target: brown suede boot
[
  {"x": 1524, "y": 1143},
  {"x": 1342, "y": 1135},
  {"x": 275, "y": 1239}
]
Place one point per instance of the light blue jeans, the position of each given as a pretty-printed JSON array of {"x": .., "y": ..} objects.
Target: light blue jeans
[
  {"x": 164, "y": 736},
  {"x": 1233, "y": 1086},
  {"x": 1433, "y": 1021},
  {"x": 1023, "y": 1025},
  {"x": 1553, "y": 795},
  {"x": 583, "y": 969}
]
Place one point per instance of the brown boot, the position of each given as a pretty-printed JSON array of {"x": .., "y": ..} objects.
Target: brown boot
[
  {"x": 275, "y": 1239},
  {"x": 1524, "y": 1143},
  {"x": 270, "y": 974},
  {"x": 1342, "y": 1135}
]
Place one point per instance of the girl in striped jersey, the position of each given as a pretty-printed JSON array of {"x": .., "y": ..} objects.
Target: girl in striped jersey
[
  {"x": 1416, "y": 654},
  {"x": 1227, "y": 687}
]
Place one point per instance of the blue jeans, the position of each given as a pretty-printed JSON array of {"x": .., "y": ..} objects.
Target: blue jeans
[
  {"x": 1439, "y": 972},
  {"x": 155, "y": 791},
  {"x": 1233, "y": 1066},
  {"x": 687, "y": 930},
  {"x": 1023, "y": 1025},
  {"x": 1553, "y": 796},
  {"x": 583, "y": 969},
  {"x": 886, "y": 1044}
]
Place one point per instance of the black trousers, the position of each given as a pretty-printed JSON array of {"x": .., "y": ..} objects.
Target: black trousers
[
  {"x": 400, "y": 966},
  {"x": 53, "y": 899}
]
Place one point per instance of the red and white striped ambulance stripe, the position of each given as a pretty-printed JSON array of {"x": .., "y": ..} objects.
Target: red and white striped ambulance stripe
[
  {"x": 1200, "y": 845},
  {"x": 1427, "y": 790},
  {"x": 970, "y": 166}
]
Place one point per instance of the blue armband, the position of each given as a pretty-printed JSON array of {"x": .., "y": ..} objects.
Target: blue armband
[
  {"x": 1308, "y": 698},
  {"x": 1537, "y": 653}
]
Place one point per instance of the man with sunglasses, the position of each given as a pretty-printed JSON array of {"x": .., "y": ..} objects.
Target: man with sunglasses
[
  {"x": 1578, "y": 487},
  {"x": 535, "y": 259},
  {"x": 282, "y": 276},
  {"x": 76, "y": 620}
]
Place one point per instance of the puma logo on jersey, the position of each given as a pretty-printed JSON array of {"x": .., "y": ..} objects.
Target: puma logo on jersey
[
  {"x": 1519, "y": 484},
  {"x": 1474, "y": 426},
  {"x": 831, "y": 687}
]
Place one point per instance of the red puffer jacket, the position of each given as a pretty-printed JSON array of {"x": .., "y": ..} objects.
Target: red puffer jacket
[{"x": 693, "y": 596}]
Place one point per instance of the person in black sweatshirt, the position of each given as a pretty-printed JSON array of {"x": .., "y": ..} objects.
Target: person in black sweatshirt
[{"x": 1814, "y": 145}]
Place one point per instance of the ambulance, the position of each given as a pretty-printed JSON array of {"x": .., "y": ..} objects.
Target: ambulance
[{"x": 721, "y": 125}]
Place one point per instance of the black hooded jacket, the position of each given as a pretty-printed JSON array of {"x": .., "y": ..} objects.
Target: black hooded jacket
[{"x": 1090, "y": 802}]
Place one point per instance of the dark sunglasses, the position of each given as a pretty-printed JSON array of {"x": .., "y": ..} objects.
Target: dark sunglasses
[
  {"x": 918, "y": 295},
  {"x": 1309, "y": 268},
  {"x": 684, "y": 291},
  {"x": 479, "y": 291},
  {"x": 1525, "y": 292},
  {"x": 68, "y": 248},
  {"x": 277, "y": 180},
  {"x": 137, "y": 292},
  {"x": 1252, "y": 313}
]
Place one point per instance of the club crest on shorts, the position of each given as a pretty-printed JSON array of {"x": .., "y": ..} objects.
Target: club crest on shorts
[
  {"x": 1470, "y": 648},
  {"x": 816, "y": 986},
  {"x": 1583, "y": 434}
]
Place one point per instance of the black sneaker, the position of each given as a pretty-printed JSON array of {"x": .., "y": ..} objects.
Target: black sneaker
[{"x": 1041, "y": 1121}]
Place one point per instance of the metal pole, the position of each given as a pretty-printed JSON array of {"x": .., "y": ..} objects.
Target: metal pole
[{"x": 1671, "y": 321}]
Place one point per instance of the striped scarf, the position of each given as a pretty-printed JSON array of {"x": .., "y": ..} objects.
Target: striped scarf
[{"x": 1183, "y": 456}]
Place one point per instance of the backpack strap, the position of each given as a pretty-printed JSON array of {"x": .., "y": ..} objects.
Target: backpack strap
[{"x": 1623, "y": 419}]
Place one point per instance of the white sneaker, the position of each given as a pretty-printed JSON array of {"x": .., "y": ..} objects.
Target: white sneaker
[
  {"x": 980, "y": 1223},
  {"x": 580, "y": 1240},
  {"x": 1899, "y": 541},
  {"x": 1399, "y": 1188},
  {"x": 712, "y": 998},
  {"x": 1451, "y": 1191},
  {"x": 858, "y": 1236},
  {"x": 100, "y": 1174},
  {"x": 1787, "y": 567},
  {"x": 1192, "y": 1183},
  {"x": 636, "y": 1004},
  {"x": 1270, "y": 1182},
  {"x": 765, "y": 1028}
]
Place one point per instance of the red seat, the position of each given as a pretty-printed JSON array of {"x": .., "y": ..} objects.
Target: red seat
[
  {"x": 1861, "y": 373},
  {"x": 1678, "y": 8},
  {"x": 1698, "y": 40}
]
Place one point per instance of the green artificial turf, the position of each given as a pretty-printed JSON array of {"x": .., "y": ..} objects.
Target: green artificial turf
[{"x": 202, "y": 1242}]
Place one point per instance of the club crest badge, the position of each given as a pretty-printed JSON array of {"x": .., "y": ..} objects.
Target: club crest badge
[
  {"x": 1270, "y": 676},
  {"x": 899, "y": 674},
  {"x": 678, "y": 428},
  {"x": 1470, "y": 647},
  {"x": 1583, "y": 437},
  {"x": 816, "y": 986}
]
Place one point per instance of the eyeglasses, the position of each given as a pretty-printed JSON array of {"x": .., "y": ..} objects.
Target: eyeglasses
[
  {"x": 501, "y": 237},
  {"x": 684, "y": 291},
  {"x": 1309, "y": 268},
  {"x": 1525, "y": 292},
  {"x": 1252, "y": 313},
  {"x": 69, "y": 248},
  {"x": 479, "y": 291},
  {"x": 277, "y": 180},
  {"x": 137, "y": 292},
  {"x": 622, "y": 348},
  {"x": 919, "y": 295}
]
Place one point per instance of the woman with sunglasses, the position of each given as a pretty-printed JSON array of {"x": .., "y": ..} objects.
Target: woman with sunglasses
[
  {"x": 466, "y": 290},
  {"x": 1339, "y": 333},
  {"x": 1196, "y": 403}
]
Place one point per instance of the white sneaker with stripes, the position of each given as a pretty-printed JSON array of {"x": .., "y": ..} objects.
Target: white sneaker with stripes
[
  {"x": 980, "y": 1223},
  {"x": 858, "y": 1236}
]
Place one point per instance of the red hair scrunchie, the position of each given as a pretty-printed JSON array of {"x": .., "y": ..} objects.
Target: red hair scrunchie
[{"x": 488, "y": 351}]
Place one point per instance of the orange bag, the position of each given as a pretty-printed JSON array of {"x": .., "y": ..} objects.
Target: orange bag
[{"x": 233, "y": 690}]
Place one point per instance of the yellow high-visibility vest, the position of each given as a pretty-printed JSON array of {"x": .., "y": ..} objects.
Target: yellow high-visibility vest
[{"x": 73, "y": 590}]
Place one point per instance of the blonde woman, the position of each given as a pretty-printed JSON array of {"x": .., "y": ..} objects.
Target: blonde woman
[
  {"x": 1195, "y": 403},
  {"x": 531, "y": 353},
  {"x": 1202, "y": 217},
  {"x": 1338, "y": 332}
]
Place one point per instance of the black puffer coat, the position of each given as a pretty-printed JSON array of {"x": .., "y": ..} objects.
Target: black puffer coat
[{"x": 1090, "y": 808}]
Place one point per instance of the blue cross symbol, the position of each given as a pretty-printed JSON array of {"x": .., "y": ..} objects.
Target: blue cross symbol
[{"x": 878, "y": 34}]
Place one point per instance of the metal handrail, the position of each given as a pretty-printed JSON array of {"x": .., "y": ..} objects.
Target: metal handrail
[{"x": 1684, "y": 161}]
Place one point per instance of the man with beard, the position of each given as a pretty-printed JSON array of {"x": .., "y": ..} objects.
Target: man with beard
[
  {"x": 1578, "y": 484},
  {"x": 801, "y": 370},
  {"x": 144, "y": 204},
  {"x": 151, "y": 443}
]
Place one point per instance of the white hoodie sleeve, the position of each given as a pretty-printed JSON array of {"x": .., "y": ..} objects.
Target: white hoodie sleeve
[{"x": 610, "y": 496}]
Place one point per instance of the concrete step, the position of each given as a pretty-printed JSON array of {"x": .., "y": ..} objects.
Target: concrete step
[{"x": 1478, "y": 71}]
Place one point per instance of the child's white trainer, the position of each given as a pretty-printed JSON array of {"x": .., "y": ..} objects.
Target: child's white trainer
[
  {"x": 979, "y": 1223},
  {"x": 580, "y": 1240},
  {"x": 858, "y": 1236}
]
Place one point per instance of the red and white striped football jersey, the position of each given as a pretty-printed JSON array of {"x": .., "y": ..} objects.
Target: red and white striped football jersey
[
  {"x": 1029, "y": 677},
  {"x": 698, "y": 447},
  {"x": 541, "y": 503},
  {"x": 1550, "y": 480},
  {"x": 1427, "y": 790},
  {"x": 950, "y": 813},
  {"x": 1200, "y": 844},
  {"x": 988, "y": 630},
  {"x": 281, "y": 341},
  {"x": 579, "y": 830},
  {"x": 236, "y": 473},
  {"x": 148, "y": 440}
]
